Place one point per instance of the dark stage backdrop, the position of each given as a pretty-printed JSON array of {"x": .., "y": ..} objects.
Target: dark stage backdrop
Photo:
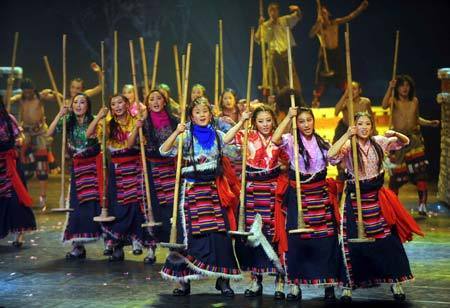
[{"x": 424, "y": 43}]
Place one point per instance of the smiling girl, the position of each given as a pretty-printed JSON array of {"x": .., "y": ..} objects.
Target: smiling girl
[
  {"x": 86, "y": 176},
  {"x": 313, "y": 258},
  {"x": 385, "y": 220},
  {"x": 206, "y": 206},
  {"x": 125, "y": 181}
]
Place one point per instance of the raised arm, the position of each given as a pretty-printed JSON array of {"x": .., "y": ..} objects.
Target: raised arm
[
  {"x": 276, "y": 137},
  {"x": 62, "y": 112},
  {"x": 353, "y": 14},
  {"x": 430, "y": 123},
  {"x": 229, "y": 136},
  {"x": 341, "y": 104},
  {"x": 388, "y": 99},
  {"x": 337, "y": 146},
  {"x": 98, "y": 88},
  {"x": 168, "y": 144},
  {"x": 91, "y": 130}
]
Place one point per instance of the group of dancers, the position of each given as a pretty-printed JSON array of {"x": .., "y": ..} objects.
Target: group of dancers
[
  {"x": 211, "y": 146},
  {"x": 325, "y": 256}
]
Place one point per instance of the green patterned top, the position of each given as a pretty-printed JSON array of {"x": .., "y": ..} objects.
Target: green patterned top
[{"x": 77, "y": 140}]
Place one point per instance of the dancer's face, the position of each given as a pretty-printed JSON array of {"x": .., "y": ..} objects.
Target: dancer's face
[
  {"x": 363, "y": 127},
  {"x": 273, "y": 12},
  {"x": 156, "y": 102},
  {"x": 305, "y": 123},
  {"x": 404, "y": 89},
  {"x": 118, "y": 106},
  {"x": 356, "y": 90},
  {"x": 80, "y": 105},
  {"x": 196, "y": 93},
  {"x": 28, "y": 93},
  {"x": 264, "y": 123},
  {"x": 228, "y": 100},
  {"x": 75, "y": 87},
  {"x": 128, "y": 92},
  {"x": 201, "y": 115}
]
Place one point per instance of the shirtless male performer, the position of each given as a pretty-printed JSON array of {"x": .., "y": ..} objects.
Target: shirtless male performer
[
  {"x": 410, "y": 162},
  {"x": 327, "y": 29}
]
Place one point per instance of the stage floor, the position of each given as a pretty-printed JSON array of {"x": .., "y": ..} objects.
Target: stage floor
[{"x": 39, "y": 276}]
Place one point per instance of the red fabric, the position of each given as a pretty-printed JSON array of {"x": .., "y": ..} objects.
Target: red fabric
[
  {"x": 228, "y": 189},
  {"x": 333, "y": 190},
  {"x": 22, "y": 194},
  {"x": 280, "y": 235},
  {"x": 125, "y": 159},
  {"x": 395, "y": 214},
  {"x": 421, "y": 185},
  {"x": 99, "y": 168}
]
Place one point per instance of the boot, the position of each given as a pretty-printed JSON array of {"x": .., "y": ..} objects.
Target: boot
[
  {"x": 118, "y": 254},
  {"x": 78, "y": 252},
  {"x": 329, "y": 297},
  {"x": 255, "y": 288},
  {"x": 397, "y": 292},
  {"x": 18, "y": 240},
  {"x": 295, "y": 293},
  {"x": 346, "y": 296},
  {"x": 151, "y": 257},
  {"x": 223, "y": 285},
  {"x": 279, "y": 288},
  {"x": 183, "y": 290},
  {"x": 137, "y": 248}
]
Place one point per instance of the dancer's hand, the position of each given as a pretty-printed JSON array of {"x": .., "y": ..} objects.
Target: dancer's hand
[
  {"x": 246, "y": 115},
  {"x": 390, "y": 133},
  {"x": 139, "y": 123},
  {"x": 292, "y": 112},
  {"x": 294, "y": 8},
  {"x": 392, "y": 83},
  {"x": 102, "y": 112},
  {"x": 435, "y": 123},
  {"x": 261, "y": 20},
  {"x": 180, "y": 128},
  {"x": 95, "y": 67},
  {"x": 352, "y": 131},
  {"x": 365, "y": 4},
  {"x": 63, "y": 111}
]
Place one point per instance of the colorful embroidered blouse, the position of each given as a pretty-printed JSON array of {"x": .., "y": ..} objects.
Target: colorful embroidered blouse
[
  {"x": 316, "y": 157},
  {"x": 77, "y": 140},
  {"x": 369, "y": 155},
  {"x": 5, "y": 133},
  {"x": 124, "y": 129},
  {"x": 205, "y": 159},
  {"x": 262, "y": 153},
  {"x": 157, "y": 138}
]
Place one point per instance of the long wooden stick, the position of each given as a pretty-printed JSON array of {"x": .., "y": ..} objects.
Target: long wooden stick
[
  {"x": 360, "y": 222},
  {"x": 155, "y": 64},
  {"x": 241, "y": 225},
  {"x": 116, "y": 64},
  {"x": 64, "y": 130},
  {"x": 52, "y": 81},
  {"x": 104, "y": 215},
  {"x": 263, "y": 49},
  {"x": 183, "y": 70},
  {"x": 149, "y": 211},
  {"x": 173, "y": 230},
  {"x": 394, "y": 74},
  {"x": 9, "y": 86},
  {"x": 222, "y": 82},
  {"x": 216, "y": 83},
  {"x": 177, "y": 72},
  {"x": 301, "y": 226},
  {"x": 144, "y": 67}
]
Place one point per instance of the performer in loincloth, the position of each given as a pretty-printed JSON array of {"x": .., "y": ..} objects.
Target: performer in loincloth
[
  {"x": 410, "y": 162},
  {"x": 86, "y": 176},
  {"x": 327, "y": 28},
  {"x": 385, "y": 220}
]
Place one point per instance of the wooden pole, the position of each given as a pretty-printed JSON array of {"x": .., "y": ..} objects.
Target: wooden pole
[
  {"x": 116, "y": 64},
  {"x": 173, "y": 231},
  {"x": 327, "y": 72},
  {"x": 265, "y": 87},
  {"x": 301, "y": 226},
  {"x": 155, "y": 64},
  {"x": 104, "y": 214},
  {"x": 216, "y": 83},
  {"x": 241, "y": 225},
  {"x": 183, "y": 72},
  {"x": 10, "y": 84},
  {"x": 394, "y": 74},
  {"x": 177, "y": 72},
  {"x": 149, "y": 212},
  {"x": 360, "y": 222},
  {"x": 222, "y": 81},
  {"x": 62, "y": 199},
  {"x": 144, "y": 67}
]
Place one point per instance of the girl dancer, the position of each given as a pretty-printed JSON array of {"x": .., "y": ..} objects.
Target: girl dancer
[
  {"x": 385, "y": 220},
  {"x": 86, "y": 176}
]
